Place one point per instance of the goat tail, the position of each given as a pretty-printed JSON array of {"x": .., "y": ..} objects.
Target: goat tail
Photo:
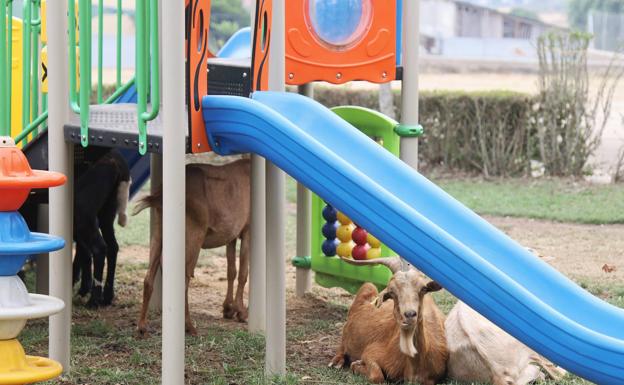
[
  {"x": 154, "y": 200},
  {"x": 123, "y": 195},
  {"x": 552, "y": 371}
]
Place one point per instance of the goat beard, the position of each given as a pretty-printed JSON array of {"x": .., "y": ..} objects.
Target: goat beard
[{"x": 406, "y": 342}]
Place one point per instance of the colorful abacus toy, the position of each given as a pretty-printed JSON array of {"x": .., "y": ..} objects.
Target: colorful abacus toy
[
  {"x": 17, "y": 243},
  {"x": 335, "y": 235}
]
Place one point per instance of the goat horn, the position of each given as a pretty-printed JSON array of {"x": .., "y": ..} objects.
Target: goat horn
[{"x": 392, "y": 263}]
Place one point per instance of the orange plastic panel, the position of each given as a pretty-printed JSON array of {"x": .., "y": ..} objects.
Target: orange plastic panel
[
  {"x": 197, "y": 54},
  {"x": 17, "y": 178},
  {"x": 261, "y": 45},
  {"x": 371, "y": 57}
]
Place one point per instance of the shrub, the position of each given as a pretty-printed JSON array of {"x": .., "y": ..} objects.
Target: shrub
[
  {"x": 568, "y": 121},
  {"x": 486, "y": 132}
]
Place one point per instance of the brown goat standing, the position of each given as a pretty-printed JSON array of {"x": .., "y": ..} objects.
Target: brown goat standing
[
  {"x": 405, "y": 340},
  {"x": 217, "y": 214}
]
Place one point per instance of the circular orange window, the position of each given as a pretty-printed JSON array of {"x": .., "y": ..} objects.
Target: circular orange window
[{"x": 338, "y": 24}]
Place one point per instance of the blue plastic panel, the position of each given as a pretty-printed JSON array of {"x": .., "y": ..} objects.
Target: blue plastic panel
[
  {"x": 472, "y": 259},
  {"x": 238, "y": 45},
  {"x": 17, "y": 243}
]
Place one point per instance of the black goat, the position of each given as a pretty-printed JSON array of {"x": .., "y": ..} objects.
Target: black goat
[{"x": 100, "y": 193}]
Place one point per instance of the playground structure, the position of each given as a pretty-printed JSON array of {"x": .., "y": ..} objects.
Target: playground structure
[
  {"x": 17, "y": 243},
  {"x": 241, "y": 107}
]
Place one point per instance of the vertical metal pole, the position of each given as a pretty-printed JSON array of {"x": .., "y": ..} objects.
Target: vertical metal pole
[
  {"x": 26, "y": 75},
  {"x": 119, "y": 42},
  {"x": 174, "y": 117},
  {"x": 257, "y": 261},
  {"x": 257, "y": 264},
  {"x": 304, "y": 231},
  {"x": 5, "y": 96},
  {"x": 43, "y": 260},
  {"x": 275, "y": 181},
  {"x": 409, "y": 87},
  {"x": 100, "y": 83},
  {"x": 61, "y": 159},
  {"x": 155, "y": 183}
]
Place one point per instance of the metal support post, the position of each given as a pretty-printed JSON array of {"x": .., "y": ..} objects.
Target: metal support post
[
  {"x": 61, "y": 159},
  {"x": 409, "y": 87},
  {"x": 275, "y": 181},
  {"x": 304, "y": 221},
  {"x": 174, "y": 117}
]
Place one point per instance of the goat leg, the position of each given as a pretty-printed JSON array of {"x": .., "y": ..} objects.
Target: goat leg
[
  {"x": 83, "y": 258},
  {"x": 229, "y": 310},
  {"x": 99, "y": 258},
  {"x": 111, "y": 265},
  {"x": 339, "y": 359},
  {"x": 190, "y": 328},
  {"x": 369, "y": 369},
  {"x": 148, "y": 283},
  {"x": 243, "y": 273}
]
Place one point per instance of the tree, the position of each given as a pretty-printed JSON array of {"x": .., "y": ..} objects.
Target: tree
[
  {"x": 523, "y": 12},
  {"x": 226, "y": 17},
  {"x": 578, "y": 10}
]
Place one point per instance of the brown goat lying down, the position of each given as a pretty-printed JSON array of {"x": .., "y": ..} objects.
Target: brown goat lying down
[
  {"x": 399, "y": 340},
  {"x": 217, "y": 214}
]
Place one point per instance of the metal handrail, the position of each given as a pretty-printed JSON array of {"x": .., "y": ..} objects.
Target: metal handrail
[
  {"x": 34, "y": 103},
  {"x": 142, "y": 57}
]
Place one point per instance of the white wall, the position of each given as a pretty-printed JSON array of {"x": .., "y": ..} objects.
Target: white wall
[{"x": 438, "y": 18}]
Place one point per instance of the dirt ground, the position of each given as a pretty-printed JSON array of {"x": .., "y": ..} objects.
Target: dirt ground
[
  {"x": 579, "y": 251},
  {"x": 313, "y": 322}
]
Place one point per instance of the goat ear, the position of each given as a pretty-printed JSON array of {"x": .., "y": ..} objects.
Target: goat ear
[
  {"x": 433, "y": 286},
  {"x": 386, "y": 296}
]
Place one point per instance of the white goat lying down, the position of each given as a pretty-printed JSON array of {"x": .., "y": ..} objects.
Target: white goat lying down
[{"x": 480, "y": 351}]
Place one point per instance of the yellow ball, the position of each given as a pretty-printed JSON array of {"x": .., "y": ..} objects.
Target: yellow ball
[
  {"x": 344, "y": 249},
  {"x": 372, "y": 241},
  {"x": 373, "y": 253},
  {"x": 344, "y": 232},
  {"x": 343, "y": 219}
]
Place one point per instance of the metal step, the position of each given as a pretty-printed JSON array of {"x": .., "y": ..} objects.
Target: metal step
[{"x": 116, "y": 125}]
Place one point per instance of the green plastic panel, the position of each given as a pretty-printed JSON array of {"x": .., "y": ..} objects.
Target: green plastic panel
[{"x": 332, "y": 271}]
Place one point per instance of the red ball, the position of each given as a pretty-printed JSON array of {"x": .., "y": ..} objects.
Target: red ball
[
  {"x": 359, "y": 236},
  {"x": 359, "y": 252}
]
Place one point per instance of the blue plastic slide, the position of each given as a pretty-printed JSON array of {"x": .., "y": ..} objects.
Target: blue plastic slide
[{"x": 451, "y": 244}]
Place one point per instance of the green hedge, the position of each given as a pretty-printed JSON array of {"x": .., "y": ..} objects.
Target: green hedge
[{"x": 485, "y": 132}]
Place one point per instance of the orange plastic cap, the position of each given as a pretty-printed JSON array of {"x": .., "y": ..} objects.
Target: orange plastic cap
[{"x": 17, "y": 178}]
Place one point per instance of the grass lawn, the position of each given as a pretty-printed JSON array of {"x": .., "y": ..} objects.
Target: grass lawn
[
  {"x": 219, "y": 355},
  {"x": 550, "y": 199},
  {"x": 106, "y": 349}
]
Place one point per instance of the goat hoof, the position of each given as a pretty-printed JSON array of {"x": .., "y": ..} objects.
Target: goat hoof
[
  {"x": 83, "y": 291},
  {"x": 93, "y": 303},
  {"x": 337, "y": 362},
  {"x": 191, "y": 330},
  {"x": 356, "y": 366},
  {"x": 229, "y": 311},
  {"x": 242, "y": 315},
  {"x": 107, "y": 299},
  {"x": 142, "y": 332}
]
